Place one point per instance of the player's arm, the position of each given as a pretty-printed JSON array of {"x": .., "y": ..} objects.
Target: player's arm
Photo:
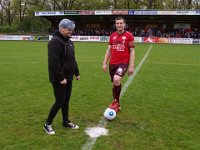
[
  {"x": 131, "y": 61},
  {"x": 106, "y": 58}
]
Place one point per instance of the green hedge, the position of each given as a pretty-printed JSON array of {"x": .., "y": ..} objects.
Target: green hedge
[{"x": 8, "y": 29}]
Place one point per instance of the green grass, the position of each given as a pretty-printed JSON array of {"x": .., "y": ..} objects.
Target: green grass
[{"x": 160, "y": 109}]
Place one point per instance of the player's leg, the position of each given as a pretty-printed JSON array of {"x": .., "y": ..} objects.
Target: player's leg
[
  {"x": 116, "y": 93},
  {"x": 120, "y": 71},
  {"x": 112, "y": 70},
  {"x": 116, "y": 87},
  {"x": 117, "y": 73}
]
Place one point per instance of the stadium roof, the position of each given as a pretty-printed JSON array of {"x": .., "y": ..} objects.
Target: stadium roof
[
  {"x": 117, "y": 12},
  {"x": 102, "y": 16}
]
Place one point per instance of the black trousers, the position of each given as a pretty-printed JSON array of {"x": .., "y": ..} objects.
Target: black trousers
[{"x": 62, "y": 93}]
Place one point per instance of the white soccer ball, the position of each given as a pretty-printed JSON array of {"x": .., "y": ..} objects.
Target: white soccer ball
[{"x": 109, "y": 114}]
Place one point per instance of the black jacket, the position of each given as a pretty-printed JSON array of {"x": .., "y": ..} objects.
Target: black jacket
[{"x": 61, "y": 58}]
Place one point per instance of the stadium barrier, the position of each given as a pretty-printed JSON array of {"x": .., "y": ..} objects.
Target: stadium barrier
[
  {"x": 103, "y": 39},
  {"x": 16, "y": 37}
]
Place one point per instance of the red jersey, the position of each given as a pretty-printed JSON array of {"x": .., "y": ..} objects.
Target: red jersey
[{"x": 120, "y": 47}]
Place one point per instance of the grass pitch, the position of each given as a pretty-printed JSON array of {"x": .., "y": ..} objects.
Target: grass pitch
[{"x": 160, "y": 109}]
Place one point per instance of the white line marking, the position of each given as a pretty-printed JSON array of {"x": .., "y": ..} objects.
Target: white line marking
[
  {"x": 103, "y": 122},
  {"x": 96, "y": 132},
  {"x": 130, "y": 79}
]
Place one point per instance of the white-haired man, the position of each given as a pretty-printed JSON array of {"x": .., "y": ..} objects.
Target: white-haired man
[{"x": 62, "y": 67}]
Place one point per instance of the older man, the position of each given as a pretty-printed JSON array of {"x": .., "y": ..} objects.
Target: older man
[{"x": 62, "y": 67}]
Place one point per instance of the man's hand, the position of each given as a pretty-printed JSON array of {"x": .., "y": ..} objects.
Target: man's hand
[
  {"x": 130, "y": 70},
  {"x": 104, "y": 68},
  {"x": 78, "y": 77},
  {"x": 63, "y": 81}
]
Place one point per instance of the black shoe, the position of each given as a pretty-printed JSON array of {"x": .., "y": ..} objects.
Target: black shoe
[
  {"x": 49, "y": 130},
  {"x": 70, "y": 125}
]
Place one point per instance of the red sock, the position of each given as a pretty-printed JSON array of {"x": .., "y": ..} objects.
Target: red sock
[{"x": 116, "y": 92}]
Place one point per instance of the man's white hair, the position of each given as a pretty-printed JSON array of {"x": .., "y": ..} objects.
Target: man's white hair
[{"x": 66, "y": 23}]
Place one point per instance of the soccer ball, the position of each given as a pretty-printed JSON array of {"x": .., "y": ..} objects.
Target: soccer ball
[{"x": 109, "y": 114}]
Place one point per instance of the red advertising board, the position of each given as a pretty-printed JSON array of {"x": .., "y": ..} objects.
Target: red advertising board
[
  {"x": 155, "y": 40},
  {"x": 120, "y": 12},
  {"x": 86, "y": 12}
]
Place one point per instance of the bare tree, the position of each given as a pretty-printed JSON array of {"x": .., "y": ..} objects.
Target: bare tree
[
  {"x": 150, "y": 4},
  {"x": 7, "y": 12},
  {"x": 137, "y": 2},
  {"x": 62, "y": 4},
  {"x": 127, "y": 3},
  {"x": 1, "y": 13}
]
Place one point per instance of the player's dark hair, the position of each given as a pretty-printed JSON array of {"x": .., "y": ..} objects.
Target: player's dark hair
[{"x": 120, "y": 18}]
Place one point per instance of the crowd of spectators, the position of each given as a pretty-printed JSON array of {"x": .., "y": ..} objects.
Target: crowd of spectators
[
  {"x": 149, "y": 32},
  {"x": 173, "y": 33}
]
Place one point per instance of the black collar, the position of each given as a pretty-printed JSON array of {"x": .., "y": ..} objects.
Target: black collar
[{"x": 57, "y": 33}]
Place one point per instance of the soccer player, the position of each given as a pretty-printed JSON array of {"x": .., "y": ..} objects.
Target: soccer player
[
  {"x": 121, "y": 54},
  {"x": 62, "y": 67}
]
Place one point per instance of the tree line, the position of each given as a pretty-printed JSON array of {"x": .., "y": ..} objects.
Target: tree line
[{"x": 18, "y": 15}]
